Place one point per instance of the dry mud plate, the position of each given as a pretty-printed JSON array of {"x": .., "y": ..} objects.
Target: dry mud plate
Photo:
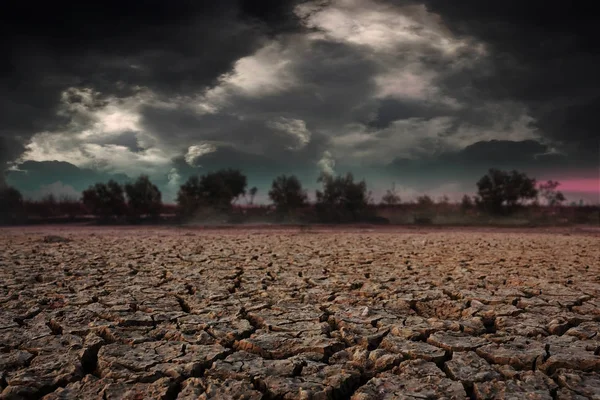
[{"x": 183, "y": 314}]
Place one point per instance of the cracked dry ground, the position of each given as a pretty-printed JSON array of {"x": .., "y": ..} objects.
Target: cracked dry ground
[{"x": 167, "y": 313}]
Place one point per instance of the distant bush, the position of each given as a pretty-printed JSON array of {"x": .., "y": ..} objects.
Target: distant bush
[
  {"x": 423, "y": 219},
  {"x": 391, "y": 198},
  {"x": 425, "y": 201},
  {"x": 466, "y": 203},
  {"x": 50, "y": 206},
  {"x": 47, "y": 207},
  {"x": 105, "y": 200},
  {"x": 70, "y": 207}
]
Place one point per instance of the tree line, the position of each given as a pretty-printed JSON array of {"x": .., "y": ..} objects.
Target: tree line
[{"x": 340, "y": 198}]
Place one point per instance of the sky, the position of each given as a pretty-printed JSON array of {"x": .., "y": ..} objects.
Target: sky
[{"x": 424, "y": 95}]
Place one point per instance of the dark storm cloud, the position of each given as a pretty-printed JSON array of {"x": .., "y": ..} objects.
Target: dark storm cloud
[
  {"x": 500, "y": 153},
  {"x": 334, "y": 81},
  {"x": 543, "y": 54},
  {"x": 393, "y": 89},
  {"x": 113, "y": 46},
  {"x": 32, "y": 174},
  {"x": 332, "y": 84},
  {"x": 390, "y": 110},
  {"x": 8, "y": 148},
  {"x": 469, "y": 164},
  {"x": 125, "y": 139}
]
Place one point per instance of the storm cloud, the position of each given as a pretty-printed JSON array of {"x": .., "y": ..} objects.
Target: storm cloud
[{"x": 172, "y": 89}]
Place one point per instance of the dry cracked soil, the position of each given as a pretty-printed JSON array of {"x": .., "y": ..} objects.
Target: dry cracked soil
[{"x": 104, "y": 313}]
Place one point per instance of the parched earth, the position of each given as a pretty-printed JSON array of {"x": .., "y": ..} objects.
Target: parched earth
[{"x": 98, "y": 313}]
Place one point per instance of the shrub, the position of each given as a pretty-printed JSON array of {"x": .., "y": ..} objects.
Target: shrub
[
  {"x": 390, "y": 198},
  {"x": 466, "y": 203},
  {"x": 425, "y": 201},
  {"x": 423, "y": 219},
  {"x": 70, "y": 207}
]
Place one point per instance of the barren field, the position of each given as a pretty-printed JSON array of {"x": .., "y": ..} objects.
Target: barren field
[{"x": 105, "y": 313}]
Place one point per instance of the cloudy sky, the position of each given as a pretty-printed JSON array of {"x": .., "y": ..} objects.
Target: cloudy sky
[{"x": 425, "y": 94}]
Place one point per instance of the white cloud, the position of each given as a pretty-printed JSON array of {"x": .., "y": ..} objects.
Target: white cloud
[
  {"x": 511, "y": 123},
  {"x": 113, "y": 158},
  {"x": 173, "y": 183},
  {"x": 417, "y": 137},
  {"x": 379, "y": 26},
  {"x": 196, "y": 151},
  {"x": 407, "y": 138},
  {"x": 93, "y": 116},
  {"x": 266, "y": 72},
  {"x": 296, "y": 128},
  {"x": 399, "y": 39},
  {"x": 405, "y": 84},
  {"x": 93, "y": 119},
  {"x": 109, "y": 158},
  {"x": 327, "y": 163}
]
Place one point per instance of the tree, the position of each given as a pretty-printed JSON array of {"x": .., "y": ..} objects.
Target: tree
[
  {"x": 287, "y": 194},
  {"x": 143, "y": 197},
  {"x": 550, "y": 194},
  {"x": 105, "y": 199},
  {"x": 216, "y": 190},
  {"x": 520, "y": 187},
  {"x": 501, "y": 191},
  {"x": 342, "y": 199},
  {"x": 252, "y": 193},
  {"x": 390, "y": 197},
  {"x": 11, "y": 204},
  {"x": 190, "y": 196}
]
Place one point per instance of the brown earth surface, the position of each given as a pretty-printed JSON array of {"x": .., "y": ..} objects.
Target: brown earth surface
[{"x": 273, "y": 313}]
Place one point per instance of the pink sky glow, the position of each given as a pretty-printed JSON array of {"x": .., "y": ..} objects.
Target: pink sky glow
[{"x": 580, "y": 185}]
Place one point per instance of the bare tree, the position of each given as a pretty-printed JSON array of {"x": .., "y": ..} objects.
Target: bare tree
[
  {"x": 550, "y": 194},
  {"x": 390, "y": 197},
  {"x": 252, "y": 192}
]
